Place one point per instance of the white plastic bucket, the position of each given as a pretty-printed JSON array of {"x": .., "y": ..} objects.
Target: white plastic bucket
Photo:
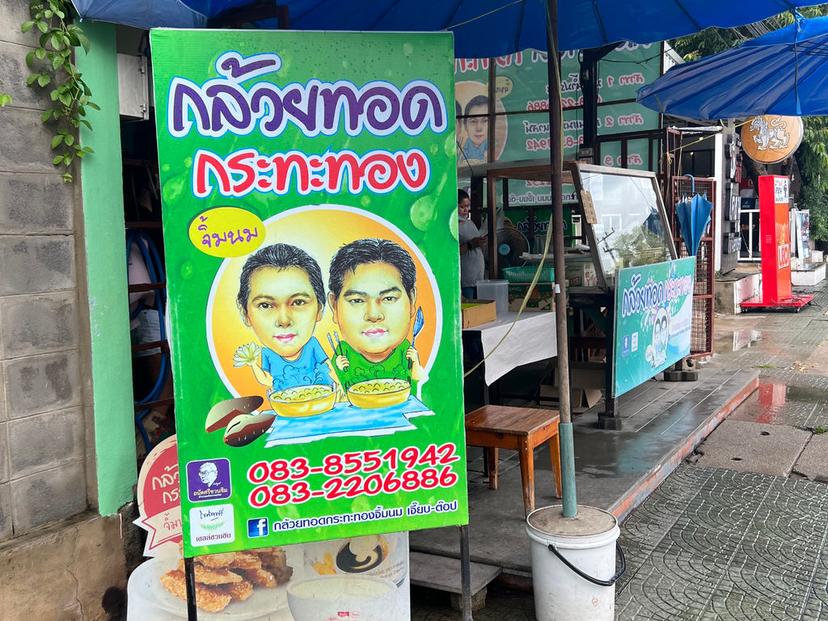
[{"x": 588, "y": 543}]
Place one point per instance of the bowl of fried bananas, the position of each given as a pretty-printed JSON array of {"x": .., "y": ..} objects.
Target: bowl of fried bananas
[
  {"x": 303, "y": 401},
  {"x": 379, "y": 393}
]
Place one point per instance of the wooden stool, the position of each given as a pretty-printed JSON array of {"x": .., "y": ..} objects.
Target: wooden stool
[{"x": 495, "y": 427}]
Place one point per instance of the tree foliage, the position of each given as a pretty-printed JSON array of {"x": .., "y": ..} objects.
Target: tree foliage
[{"x": 812, "y": 155}]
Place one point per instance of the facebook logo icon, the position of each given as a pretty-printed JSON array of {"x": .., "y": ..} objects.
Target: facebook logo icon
[{"x": 257, "y": 527}]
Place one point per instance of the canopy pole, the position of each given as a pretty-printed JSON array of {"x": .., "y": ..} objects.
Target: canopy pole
[{"x": 570, "y": 503}]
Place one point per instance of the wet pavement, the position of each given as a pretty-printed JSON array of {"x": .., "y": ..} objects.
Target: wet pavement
[
  {"x": 728, "y": 543},
  {"x": 715, "y": 543},
  {"x": 615, "y": 470}
]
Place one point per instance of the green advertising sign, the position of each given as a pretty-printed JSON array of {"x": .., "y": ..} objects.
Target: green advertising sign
[
  {"x": 310, "y": 228},
  {"x": 521, "y": 91},
  {"x": 653, "y": 317}
]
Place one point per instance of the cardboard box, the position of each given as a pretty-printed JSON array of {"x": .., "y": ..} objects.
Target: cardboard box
[
  {"x": 580, "y": 399},
  {"x": 478, "y": 312}
]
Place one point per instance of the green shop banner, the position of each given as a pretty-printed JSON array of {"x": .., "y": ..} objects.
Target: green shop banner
[
  {"x": 310, "y": 228},
  {"x": 653, "y": 317},
  {"x": 521, "y": 90}
]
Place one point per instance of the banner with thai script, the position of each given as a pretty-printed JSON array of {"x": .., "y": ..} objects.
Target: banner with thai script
[
  {"x": 521, "y": 98},
  {"x": 159, "y": 503},
  {"x": 653, "y": 317},
  {"x": 310, "y": 230}
]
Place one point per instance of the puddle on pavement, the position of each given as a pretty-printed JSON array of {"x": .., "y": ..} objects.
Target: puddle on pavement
[
  {"x": 808, "y": 395},
  {"x": 736, "y": 340},
  {"x": 773, "y": 401}
]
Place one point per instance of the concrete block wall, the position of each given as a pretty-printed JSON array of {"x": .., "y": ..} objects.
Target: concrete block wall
[{"x": 42, "y": 427}]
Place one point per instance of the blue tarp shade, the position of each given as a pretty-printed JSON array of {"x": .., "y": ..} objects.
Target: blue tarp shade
[
  {"x": 140, "y": 13},
  {"x": 783, "y": 72},
  {"x": 693, "y": 215},
  {"x": 481, "y": 27}
]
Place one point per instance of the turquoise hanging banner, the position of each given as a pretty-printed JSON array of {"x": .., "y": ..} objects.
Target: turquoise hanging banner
[{"x": 653, "y": 319}]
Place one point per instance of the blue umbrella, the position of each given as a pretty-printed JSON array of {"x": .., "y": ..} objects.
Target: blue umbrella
[
  {"x": 481, "y": 27},
  {"x": 783, "y": 72},
  {"x": 140, "y": 13},
  {"x": 694, "y": 215}
]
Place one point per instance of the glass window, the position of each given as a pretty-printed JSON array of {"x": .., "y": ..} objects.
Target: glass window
[{"x": 630, "y": 229}]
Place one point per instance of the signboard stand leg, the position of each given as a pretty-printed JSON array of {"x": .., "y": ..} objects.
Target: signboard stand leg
[
  {"x": 189, "y": 577},
  {"x": 465, "y": 573}
]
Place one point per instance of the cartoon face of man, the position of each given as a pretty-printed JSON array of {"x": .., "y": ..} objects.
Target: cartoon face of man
[
  {"x": 478, "y": 127},
  {"x": 282, "y": 309},
  {"x": 208, "y": 473},
  {"x": 373, "y": 310}
]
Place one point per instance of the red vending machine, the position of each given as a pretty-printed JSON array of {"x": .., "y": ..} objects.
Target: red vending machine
[{"x": 775, "y": 233}]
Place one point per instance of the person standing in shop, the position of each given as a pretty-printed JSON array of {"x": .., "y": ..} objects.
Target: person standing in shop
[{"x": 472, "y": 243}]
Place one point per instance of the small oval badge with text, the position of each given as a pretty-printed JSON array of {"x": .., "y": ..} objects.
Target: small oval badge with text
[{"x": 227, "y": 232}]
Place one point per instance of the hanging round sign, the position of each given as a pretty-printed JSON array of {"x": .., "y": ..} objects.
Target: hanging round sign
[{"x": 771, "y": 138}]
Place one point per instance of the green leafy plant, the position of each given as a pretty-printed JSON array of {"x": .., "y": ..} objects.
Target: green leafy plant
[
  {"x": 52, "y": 67},
  {"x": 5, "y": 100},
  {"x": 812, "y": 159}
]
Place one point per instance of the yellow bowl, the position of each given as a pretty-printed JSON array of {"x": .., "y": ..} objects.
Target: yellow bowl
[
  {"x": 379, "y": 393},
  {"x": 303, "y": 401}
]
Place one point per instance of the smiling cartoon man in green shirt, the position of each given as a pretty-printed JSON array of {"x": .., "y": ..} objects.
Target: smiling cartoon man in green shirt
[{"x": 372, "y": 294}]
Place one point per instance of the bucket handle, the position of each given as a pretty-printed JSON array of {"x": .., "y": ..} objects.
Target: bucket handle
[{"x": 587, "y": 577}]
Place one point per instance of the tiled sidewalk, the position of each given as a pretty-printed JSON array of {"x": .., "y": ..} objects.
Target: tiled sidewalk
[
  {"x": 717, "y": 544},
  {"x": 720, "y": 544}
]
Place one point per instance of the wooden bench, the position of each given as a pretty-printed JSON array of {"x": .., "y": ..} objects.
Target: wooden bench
[{"x": 496, "y": 427}]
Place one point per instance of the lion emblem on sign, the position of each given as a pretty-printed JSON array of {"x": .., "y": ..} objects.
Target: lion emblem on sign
[{"x": 773, "y": 135}]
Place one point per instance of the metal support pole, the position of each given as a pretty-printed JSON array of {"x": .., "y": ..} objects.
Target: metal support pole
[
  {"x": 589, "y": 89},
  {"x": 570, "y": 504},
  {"x": 465, "y": 573},
  {"x": 189, "y": 579},
  {"x": 609, "y": 419}
]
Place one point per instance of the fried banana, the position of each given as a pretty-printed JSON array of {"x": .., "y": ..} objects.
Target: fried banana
[
  {"x": 259, "y": 577},
  {"x": 214, "y": 561},
  {"x": 246, "y": 560},
  {"x": 210, "y": 576},
  {"x": 239, "y": 591},
  {"x": 282, "y": 574},
  {"x": 208, "y": 598}
]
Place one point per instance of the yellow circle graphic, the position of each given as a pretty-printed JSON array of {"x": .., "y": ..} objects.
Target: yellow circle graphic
[
  {"x": 320, "y": 231},
  {"x": 226, "y": 232}
]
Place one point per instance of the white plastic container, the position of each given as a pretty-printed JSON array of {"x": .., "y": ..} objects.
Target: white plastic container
[
  {"x": 332, "y": 598},
  {"x": 588, "y": 543},
  {"x": 497, "y": 290}
]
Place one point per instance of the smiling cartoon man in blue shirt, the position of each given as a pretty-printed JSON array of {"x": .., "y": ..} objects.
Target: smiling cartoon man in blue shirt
[{"x": 282, "y": 297}]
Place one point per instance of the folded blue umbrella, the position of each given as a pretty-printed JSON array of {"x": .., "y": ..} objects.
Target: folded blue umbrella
[
  {"x": 693, "y": 215},
  {"x": 783, "y": 72}
]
